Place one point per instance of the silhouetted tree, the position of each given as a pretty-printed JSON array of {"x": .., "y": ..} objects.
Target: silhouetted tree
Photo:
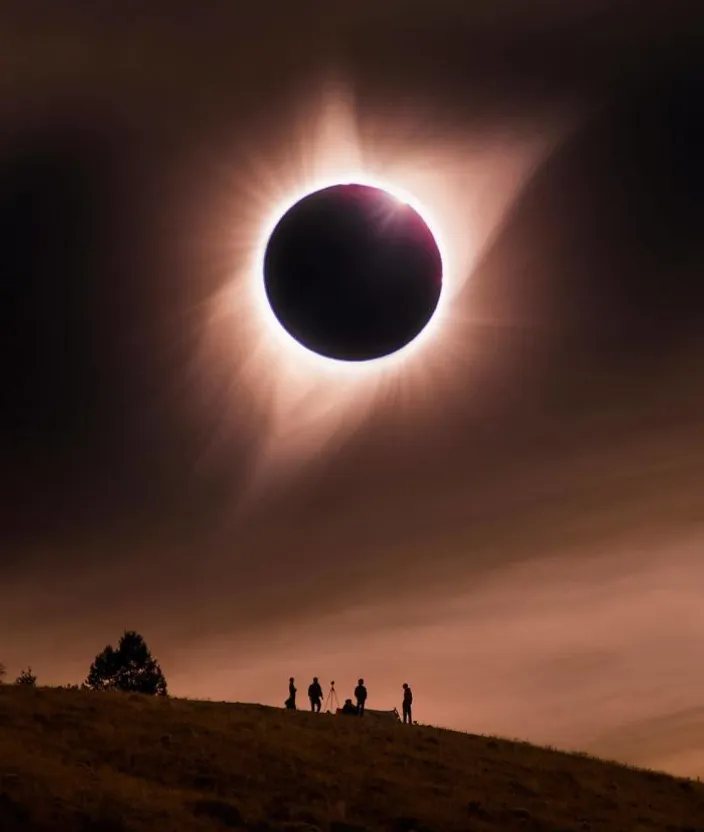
[
  {"x": 26, "y": 678},
  {"x": 3, "y": 672},
  {"x": 130, "y": 667}
]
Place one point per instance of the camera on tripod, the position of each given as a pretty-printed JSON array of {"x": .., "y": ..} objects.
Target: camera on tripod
[{"x": 331, "y": 702}]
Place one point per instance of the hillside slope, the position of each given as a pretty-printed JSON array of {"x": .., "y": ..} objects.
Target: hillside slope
[{"x": 94, "y": 762}]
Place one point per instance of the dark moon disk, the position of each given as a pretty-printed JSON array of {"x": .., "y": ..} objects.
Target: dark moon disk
[{"x": 352, "y": 273}]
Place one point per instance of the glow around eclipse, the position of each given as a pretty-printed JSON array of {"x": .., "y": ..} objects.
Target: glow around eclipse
[{"x": 303, "y": 401}]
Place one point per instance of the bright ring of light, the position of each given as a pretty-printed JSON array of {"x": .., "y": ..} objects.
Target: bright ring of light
[{"x": 285, "y": 342}]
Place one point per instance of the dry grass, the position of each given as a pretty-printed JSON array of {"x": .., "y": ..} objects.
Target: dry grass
[{"x": 112, "y": 763}]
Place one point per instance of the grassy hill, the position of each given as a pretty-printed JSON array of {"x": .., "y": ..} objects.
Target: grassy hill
[{"x": 112, "y": 763}]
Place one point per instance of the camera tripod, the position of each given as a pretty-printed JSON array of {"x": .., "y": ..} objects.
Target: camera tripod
[{"x": 330, "y": 700}]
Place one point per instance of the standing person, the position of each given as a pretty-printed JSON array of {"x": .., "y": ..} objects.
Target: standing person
[
  {"x": 360, "y": 693},
  {"x": 315, "y": 694},
  {"x": 291, "y": 701},
  {"x": 407, "y": 702}
]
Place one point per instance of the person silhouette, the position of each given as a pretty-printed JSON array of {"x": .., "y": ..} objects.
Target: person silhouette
[
  {"x": 291, "y": 701},
  {"x": 360, "y": 693},
  {"x": 349, "y": 708},
  {"x": 315, "y": 694},
  {"x": 407, "y": 703}
]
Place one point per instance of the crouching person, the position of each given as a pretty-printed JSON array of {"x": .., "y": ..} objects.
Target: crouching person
[{"x": 349, "y": 708}]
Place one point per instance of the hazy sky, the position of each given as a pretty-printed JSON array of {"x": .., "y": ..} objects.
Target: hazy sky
[{"x": 510, "y": 518}]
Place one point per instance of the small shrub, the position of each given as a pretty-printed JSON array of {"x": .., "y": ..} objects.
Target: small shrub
[{"x": 27, "y": 678}]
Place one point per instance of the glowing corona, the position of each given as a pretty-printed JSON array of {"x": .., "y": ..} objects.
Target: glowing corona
[{"x": 302, "y": 402}]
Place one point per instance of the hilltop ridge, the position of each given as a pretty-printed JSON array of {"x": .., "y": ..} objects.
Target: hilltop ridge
[{"x": 78, "y": 761}]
